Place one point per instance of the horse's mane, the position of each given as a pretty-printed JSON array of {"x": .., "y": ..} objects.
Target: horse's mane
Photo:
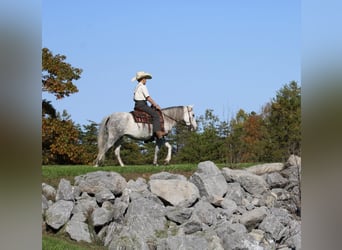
[{"x": 173, "y": 107}]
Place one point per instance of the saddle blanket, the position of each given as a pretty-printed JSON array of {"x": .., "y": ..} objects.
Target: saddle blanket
[{"x": 143, "y": 117}]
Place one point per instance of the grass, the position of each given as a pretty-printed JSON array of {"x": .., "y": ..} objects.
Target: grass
[
  {"x": 52, "y": 174},
  {"x": 62, "y": 243}
]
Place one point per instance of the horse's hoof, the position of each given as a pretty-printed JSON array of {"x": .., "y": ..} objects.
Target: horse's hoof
[{"x": 166, "y": 162}]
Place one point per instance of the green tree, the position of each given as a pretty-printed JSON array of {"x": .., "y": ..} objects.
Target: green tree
[
  {"x": 283, "y": 118},
  {"x": 235, "y": 145},
  {"x": 88, "y": 140}
]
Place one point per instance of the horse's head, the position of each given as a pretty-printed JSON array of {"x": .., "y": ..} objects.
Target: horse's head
[{"x": 189, "y": 117}]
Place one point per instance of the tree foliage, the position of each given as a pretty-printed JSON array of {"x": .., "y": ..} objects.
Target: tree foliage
[
  {"x": 58, "y": 76},
  {"x": 284, "y": 121},
  {"x": 60, "y": 136}
]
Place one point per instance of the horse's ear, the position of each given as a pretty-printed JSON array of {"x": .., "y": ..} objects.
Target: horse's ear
[{"x": 191, "y": 106}]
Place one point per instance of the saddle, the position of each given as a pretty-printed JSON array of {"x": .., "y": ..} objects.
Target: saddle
[{"x": 143, "y": 117}]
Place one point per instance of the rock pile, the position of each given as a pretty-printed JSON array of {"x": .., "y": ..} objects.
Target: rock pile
[{"x": 255, "y": 208}]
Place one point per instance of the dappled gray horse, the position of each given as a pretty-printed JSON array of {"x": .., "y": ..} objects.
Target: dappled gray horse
[{"x": 116, "y": 126}]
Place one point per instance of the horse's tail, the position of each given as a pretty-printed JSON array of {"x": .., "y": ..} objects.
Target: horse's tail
[
  {"x": 102, "y": 140},
  {"x": 102, "y": 135}
]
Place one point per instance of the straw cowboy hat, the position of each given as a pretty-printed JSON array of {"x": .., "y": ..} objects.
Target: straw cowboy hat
[{"x": 141, "y": 74}]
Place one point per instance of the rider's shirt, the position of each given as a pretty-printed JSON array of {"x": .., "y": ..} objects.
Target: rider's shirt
[{"x": 140, "y": 92}]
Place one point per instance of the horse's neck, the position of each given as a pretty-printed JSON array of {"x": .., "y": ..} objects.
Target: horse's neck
[{"x": 174, "y": 113}]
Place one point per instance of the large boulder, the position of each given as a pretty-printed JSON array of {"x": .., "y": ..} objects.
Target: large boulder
[
  {"x": 176, "y": 192},
  {"x": 209, "y": 180},
  {"x": 98, "y": 181},
  {"x": 252, "y": 183}
]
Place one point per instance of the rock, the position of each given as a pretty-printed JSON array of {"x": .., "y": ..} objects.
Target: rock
[
  {"x": 209, "y": 180},
  {"x": 178, "y": 214},
  {"x": 64, "y": 191},
  {"x": 95, "y": 182},
  {"x": 49, "y": 192},
  {"x": 235, "y": 193},
  {"x": 45, "y": 204},
  {"x": 251, "y": 219},
  {"x": 167, "y": 176},
  {"x": 104, "y": 195},
  {"x": 85, "y": 205},
  {"x": 176, "y": 192},
  {"x": 252, "y": 183},
  {"x": 102, "y": 215},
  {"x": 275, "y": 180},
  {"x": 294, "y": 160},
  {"x": 241, "y": 211},
  {"x": 272, "y": 225},
  {"x": 266, "y": 168},
  {"x": 78, "y": 231},
  {"x": 59, "y": 213}
]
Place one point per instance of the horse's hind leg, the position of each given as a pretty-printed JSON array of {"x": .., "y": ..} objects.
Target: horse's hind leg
[
  {"x": 103, "y": 150},
  {"x": 156, "y": 151},
  {"x": 168, "y": 156},
  {"x": 117, "y": 154}
]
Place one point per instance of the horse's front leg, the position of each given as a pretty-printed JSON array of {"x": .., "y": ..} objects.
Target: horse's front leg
[
  {"x": 117, "y": 154},
  {"x": 168, "y": 156},
  {"x": 156, "y": 151}
]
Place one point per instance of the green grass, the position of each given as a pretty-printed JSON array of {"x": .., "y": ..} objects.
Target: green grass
[
  {"x": 51, "y": 174},
  {"x": 62, "y": 243}
]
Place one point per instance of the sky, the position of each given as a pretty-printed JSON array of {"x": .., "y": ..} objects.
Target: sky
[{"x": 219, "y": 55}]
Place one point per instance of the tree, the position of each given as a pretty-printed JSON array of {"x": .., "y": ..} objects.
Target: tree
[
  {"x": 60, "y": 139},
  {"x": 60, "y": 136},
  {"x": 283, "y": 119},
  {"x": 57, "y": 75}
]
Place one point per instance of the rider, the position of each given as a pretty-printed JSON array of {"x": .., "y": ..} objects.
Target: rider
[{"x": 141, "y": 96}]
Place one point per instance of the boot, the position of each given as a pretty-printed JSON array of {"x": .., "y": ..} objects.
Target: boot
[{"x": 160, "y": 134}]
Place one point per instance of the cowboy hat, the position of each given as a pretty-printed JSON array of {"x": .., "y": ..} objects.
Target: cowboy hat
[{"x": 141, "y": 74}]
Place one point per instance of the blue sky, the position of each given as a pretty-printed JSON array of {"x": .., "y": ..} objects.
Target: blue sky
[{"x": 219, "y": 55}]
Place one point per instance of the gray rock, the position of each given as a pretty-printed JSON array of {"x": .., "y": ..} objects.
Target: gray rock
[
  {"x": 64, "y": 191},
  {"x": 85, "y": 205},
  {"x": 102, "y": 215},
  {"x": 273, "y": 226},
  {"x": 239, "y": 240},
  {"x": 251, "y": 219},
  {"x": 94, "y": 182},
  {"x": 176, "y": 192},
  {"x": 179, "y": 214},
  {"x": 59, "y": 213},
  {"x": 265, "y": 168},
  {"x": 139, "y": 185},
  {"x": 209, "y": 180},
  {"x": 104, "y": 195},
  {"x": 205, "y": 213},
  {"x": 145, "y": 216},
  {"x": 78, "y": 231},
  {"x": 294, "y": 160},
  {"x": 49, "y": 192},
  {"x": 252, "y": 183},
  {"x": 167, "y": 176},
  {"x": 235, "y": 193},
  {"x": 275, "y": 180},
  {"x": 188, "y": 242},
  {"x": 229, "y": 206},
  {"x": 45, "y": 204},
  {"x": 192, "y": 226}
]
